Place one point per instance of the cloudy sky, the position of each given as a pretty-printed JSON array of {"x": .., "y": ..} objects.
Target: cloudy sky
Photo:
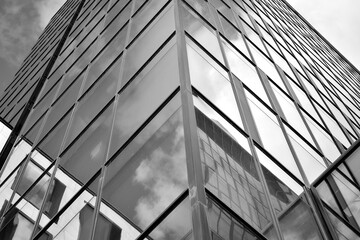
[{"x": 22, "y": 21}]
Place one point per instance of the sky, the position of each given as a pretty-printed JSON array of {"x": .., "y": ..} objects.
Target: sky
[{"x": 22, "y": 21}]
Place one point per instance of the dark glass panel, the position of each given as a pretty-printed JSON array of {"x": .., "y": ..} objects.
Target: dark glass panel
[
  {"x": 88, "y": 153},
  {"x": 342, "y": 231},
  {"x": 92, "y": 103},
  {"x": 105, "y": 58},
  {"x": 150, "y": 172},
  {"x": 144, "y": 94},
  {"x": 62, "y": 105},
  {"x": 229, "y": 169},
  {"x": 51, "y": 144},
  {"x": 224, "y": 226},
  {"x": 177, "y": 225},
  {"x": 19, "y": 227},
  {"x": 144, "y": 15},
  {"x": 298, "y": 223},
  {"x": 141, "y": 50}
]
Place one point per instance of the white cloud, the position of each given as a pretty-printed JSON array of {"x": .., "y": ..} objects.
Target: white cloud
[
  {"x": 46, "y": 9},
  {"x": 21, "y": 22}
]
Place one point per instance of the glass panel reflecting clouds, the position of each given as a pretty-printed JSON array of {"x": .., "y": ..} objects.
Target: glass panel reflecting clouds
[
  {"x": 213, "y": 85},
  {"x": 153, "y": 167}
]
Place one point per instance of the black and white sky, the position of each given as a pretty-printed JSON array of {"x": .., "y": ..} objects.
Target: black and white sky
[{"x": 22, "y": 21}]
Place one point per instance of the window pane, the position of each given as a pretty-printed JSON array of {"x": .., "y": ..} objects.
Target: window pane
[
  {"x": 213, "y": 85},
  {"x": 229, "y": 170},
  {"x": 145, "y": 93},
  {"x": 151, "y": 172},
  {"x": 141, "y": 50},
  {"x": 298, "y": 223},
  {"x": 272, "y": 136}
]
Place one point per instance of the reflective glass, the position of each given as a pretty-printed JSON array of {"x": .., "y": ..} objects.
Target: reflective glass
[
  {"x": 312, "y": 164},
  {"x": 213, "y": 85},
  {"x": 327, "y": 146},
  {"x": 201, "y": 7},
  {"x": 51, "y": 143},
  {"x": 234, "y": 36},
  {"x": 152, "y": 166},
  {"x": 70, "y": 223},
  {"x": 283, "y": 189},
  {"x": 202, "y": 33},
  {"x": 92, "y": 103},
  {"x": 105, "y": 58},
  {"x": 342, "y": 231},
  {"x": 88, "y": 153},
  {"x": 145, "y": 93},
  {"x": 291, "y": 114},
  {"x": 298, "y": 223},
  {"x": 267, "y": 66},
  {"x": 141, "y": 50},
  {"x": 144, "y": 15},
  {"x": 244, "y": 71},
  {"x": 269, "y": 129},
  {"x": 229, "y": 170},
  {"x": 177, "y": 225},
  {"x": 224, "y": 226},
  {"x": 334, "y": 127}
]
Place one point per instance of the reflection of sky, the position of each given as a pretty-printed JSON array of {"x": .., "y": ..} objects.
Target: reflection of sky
[{"x": 145, "y": 179}]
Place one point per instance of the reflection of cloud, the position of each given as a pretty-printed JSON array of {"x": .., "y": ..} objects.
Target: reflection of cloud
[
  {"x": 162, "y": 174},
  {"x": 21, "y": 22}
]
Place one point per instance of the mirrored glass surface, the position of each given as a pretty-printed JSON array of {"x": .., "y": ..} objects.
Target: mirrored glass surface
[{"x": 152, "y": 166}]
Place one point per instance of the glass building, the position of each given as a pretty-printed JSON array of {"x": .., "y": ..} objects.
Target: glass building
[{"x": 181, "y": 119}]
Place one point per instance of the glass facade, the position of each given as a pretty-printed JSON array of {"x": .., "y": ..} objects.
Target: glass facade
[{"x": 181, "y": 119}]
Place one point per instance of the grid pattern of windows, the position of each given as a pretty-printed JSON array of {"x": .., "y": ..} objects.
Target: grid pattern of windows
[{"x": 182, "y": 119}]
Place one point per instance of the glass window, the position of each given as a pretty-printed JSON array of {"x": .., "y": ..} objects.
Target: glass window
[
  {"x": 244, "y": 71},
  {"x": 141, "y": 50},
  {"x": 298, "y": 223},
  {"x": 224, "y": 226},
  {"x": 213, "y": 85},
  {"x": 51, "y": 143},
  {"x": 82, "y": 224},
  {"x": 144, "y": 94},
  {"x": 334, "y": 127},
  {"x": 342, "y": 231},
  {"x": 202, "y": 33},
  {"x": 105, "y": 58},
  {"x": 92, "y": 103},
  {"x": 267, "y": 66},
  {"x": 144, "y": 15},
  {"x": 152, "y": 166},
  {"x": 88, "y": 153},
  {"x": 327, "y": 146},
  {"x": 291, "y": 114},
  {"x": 177, "y": 225},
  {"x": 62, "y": 105},
  {"x": 116, "y": 18},
  {"x": 19, "y": 227},
  {"x": 68, "y": 224},
  {"x": 310, "y": 161},
  {"x": 201, "y": 7},
  {"x": 234, "y": 36},
  {"x": 269, "y": 131},
  {"x": 283, "y": 189},
  {"x": 229, "y": 169},
  {"x": 37, "y": 193}
]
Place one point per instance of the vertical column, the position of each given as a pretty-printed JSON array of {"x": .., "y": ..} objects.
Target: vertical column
[{"x": 196, "y": 187}]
